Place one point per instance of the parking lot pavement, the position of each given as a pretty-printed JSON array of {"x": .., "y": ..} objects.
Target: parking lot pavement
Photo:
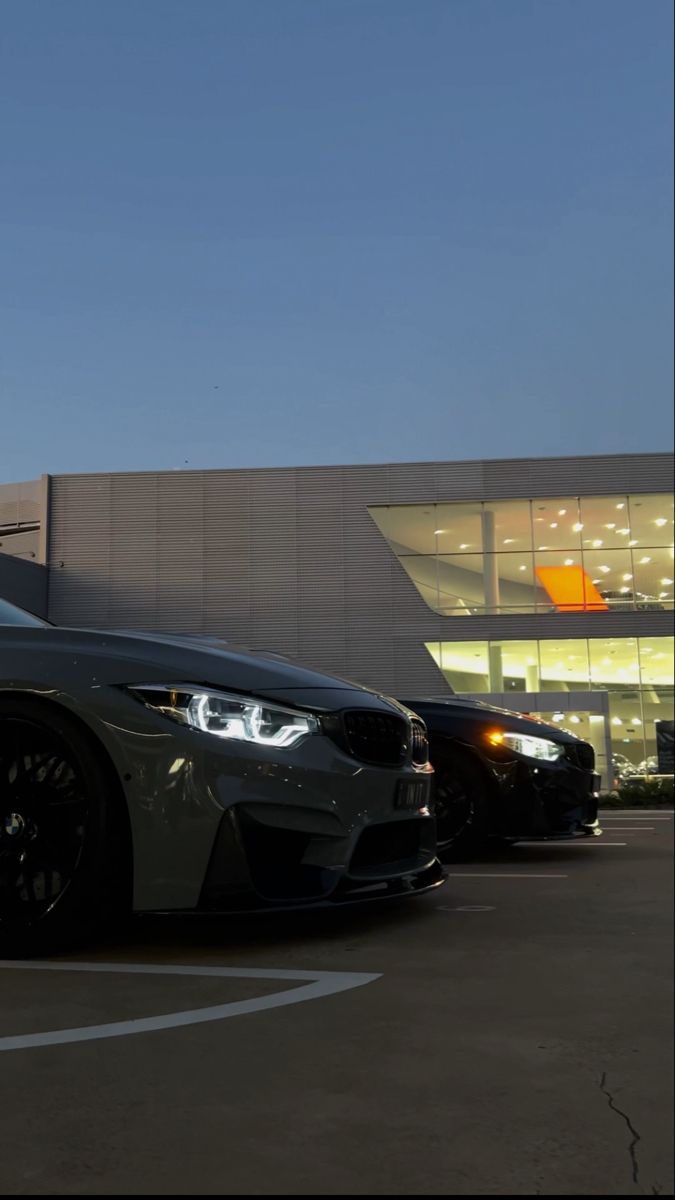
[{"x": 508, "y": 1034}]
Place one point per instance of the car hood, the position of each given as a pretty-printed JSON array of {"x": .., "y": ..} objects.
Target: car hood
[
  {"x": 460, "y": 707},
  {"x": 103, "y": 657}
]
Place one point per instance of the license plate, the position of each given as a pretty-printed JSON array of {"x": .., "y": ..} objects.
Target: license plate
[{"x": 412, "y": 794}]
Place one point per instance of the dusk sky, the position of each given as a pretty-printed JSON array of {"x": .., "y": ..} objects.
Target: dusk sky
[{"x": 275, "y": 232}]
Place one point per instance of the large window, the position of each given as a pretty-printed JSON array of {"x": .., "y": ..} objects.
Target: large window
[
  {"x": 562, "y": 554},
  {"x": 637, "y": 674}
]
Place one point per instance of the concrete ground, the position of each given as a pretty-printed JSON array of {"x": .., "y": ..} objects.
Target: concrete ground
[{"x": 517, "y": 1040}]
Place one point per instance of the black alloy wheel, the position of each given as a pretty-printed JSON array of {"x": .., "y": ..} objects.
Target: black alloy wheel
[
  {"x": 61, "y": 832},
  {"x": 461, "y": 803}
]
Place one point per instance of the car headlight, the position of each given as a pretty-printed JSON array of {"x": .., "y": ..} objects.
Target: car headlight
[
  {"x": 530, "y": 747},
  {"x": 228, "y": 716}
]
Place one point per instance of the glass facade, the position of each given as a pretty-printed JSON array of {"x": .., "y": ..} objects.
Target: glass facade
[
  {"x": 636, "y": 673},
  {"x": 562, "y": 554}
]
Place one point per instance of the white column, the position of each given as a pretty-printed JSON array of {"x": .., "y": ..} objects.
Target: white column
[
  {"x": 495, "y": 667},
  {"x": 490, "y": 567},
  {"x": 532, "y": 678}
]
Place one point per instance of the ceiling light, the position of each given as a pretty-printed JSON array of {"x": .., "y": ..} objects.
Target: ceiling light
[
  {"x": 634, "y": 542},
  {"x": 577, "y": 527},
  {"x": 660, "y": 521},
  {"x": 626, "y": 576},
  {"x": 523, "y": 568},
  {"x": 569, "y": 562},
  {"x": 554, "y": 524},
  {"x": 645, "y": 560},
  {"x": 625, "y": 591},
  {"x": 635, "y": 721},
  {"x": 509, "y": 541},
  {"x": 465, "y": 545},
  {"x": 438, "y": 531},
  {"x": 605, "y": 570},
  {"x": 625, "y": 532},
  {"x": 575, "y": 720},
  {"x": 597, "y": 581},
  {"x": 597, "y": 543},
  {"x": 666, "y": 582},
  {"x": 617, "y": 721},
  {"x": 620, "y": 506},
  {"x": 542, "y": 547},
  {"x": 562, "y": 512},
  {"x": 612, "y": 525}
]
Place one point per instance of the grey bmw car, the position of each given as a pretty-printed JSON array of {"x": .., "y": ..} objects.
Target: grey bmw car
[{"x": 170, "y": 773}]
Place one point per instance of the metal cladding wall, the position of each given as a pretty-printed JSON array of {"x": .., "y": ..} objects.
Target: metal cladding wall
[
  {"x": 24, "y": 584},
  {"x": 290, "y": 560}
]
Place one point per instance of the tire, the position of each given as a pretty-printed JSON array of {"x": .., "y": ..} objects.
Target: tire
[
  {"x": 462, "y": 803},
  {"x": 64, "y": 841}
]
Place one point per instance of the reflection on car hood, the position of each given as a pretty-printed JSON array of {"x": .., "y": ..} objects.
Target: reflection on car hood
[{"x": 124, "y": 657}]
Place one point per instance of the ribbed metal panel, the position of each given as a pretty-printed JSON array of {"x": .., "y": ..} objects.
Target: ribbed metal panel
[{"x": 290, "y": 559}]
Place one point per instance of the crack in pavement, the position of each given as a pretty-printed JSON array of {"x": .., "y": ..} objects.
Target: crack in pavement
[{"x": 635, "y": 1135}]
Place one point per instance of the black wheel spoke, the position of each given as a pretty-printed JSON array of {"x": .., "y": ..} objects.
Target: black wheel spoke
[
  {"x": 454, "y": 807},
  {"x": 43, "y": 819}
]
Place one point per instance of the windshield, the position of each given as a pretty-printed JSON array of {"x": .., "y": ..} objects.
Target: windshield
[{"x": 10, "y": 615}]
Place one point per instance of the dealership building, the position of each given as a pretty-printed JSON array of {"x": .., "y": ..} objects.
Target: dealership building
[{"x": 546, "y": 584}]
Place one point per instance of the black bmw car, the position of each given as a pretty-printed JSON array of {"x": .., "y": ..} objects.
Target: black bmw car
[{"x": 500, "y": 774}]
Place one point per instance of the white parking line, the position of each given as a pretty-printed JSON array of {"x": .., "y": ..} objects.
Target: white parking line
[
  {"x": 633, "y": 828},
  {"x": 467, "y": 908},
  {"x": 595, "y": 841},
  {"x": 316, "y": 984},
  {"x": 501, "y": 875},
  {"x": 617, "y": 814}
]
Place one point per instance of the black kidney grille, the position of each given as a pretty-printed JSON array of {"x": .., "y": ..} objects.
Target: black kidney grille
[
  {"x": 581, "y": 754},
  {"x": 376, "y": 737},
  {"x": 420, "y": 744}
]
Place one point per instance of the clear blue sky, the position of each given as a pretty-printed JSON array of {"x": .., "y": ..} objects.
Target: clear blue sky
[{"x": 252, "y": 232}]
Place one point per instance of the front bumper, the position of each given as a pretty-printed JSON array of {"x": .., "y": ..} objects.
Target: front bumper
[
  {"x": 220, "y": 825},
  {"x": 260, "y": 862},
  {"x": 556, "y": 801}
]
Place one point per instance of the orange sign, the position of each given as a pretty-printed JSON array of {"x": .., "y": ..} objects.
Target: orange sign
[{"x": 571, "y": 590}]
